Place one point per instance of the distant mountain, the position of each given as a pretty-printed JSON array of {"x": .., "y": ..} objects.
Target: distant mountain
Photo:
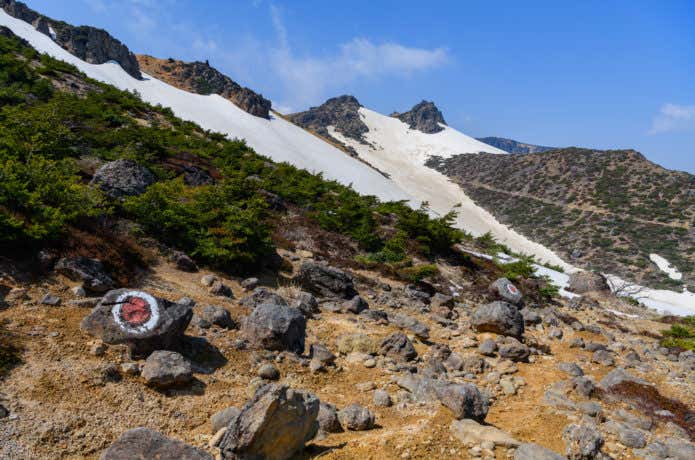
[
  {"x": 512, "y": 146},
  {"x": 609, "y": 210}
]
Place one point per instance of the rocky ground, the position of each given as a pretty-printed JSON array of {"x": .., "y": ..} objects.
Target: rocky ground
[{"x": 400, "y": 372}]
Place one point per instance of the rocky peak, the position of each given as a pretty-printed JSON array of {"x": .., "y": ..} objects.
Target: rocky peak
[
  {"x": 202, "y": 78},
  {"x": 424, "y": 117},
  {"x": 341, "y": 112},
  {"x": 90, "y": 44}
]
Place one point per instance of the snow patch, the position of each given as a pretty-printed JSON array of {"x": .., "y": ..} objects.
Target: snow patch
[
  {"x": 661, "y": 300},
  {"x": 666, "y": 267},
  {"x": 52, "y": 32}
]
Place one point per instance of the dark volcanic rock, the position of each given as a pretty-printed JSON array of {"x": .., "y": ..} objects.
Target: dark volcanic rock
[
  {"x": 163, "y": 369},
  {"x": 424, "y": 117},
  {"x": 142, "y": 443},
  {"x": 93, "y": 45},
  {"x": 138, "y": 319},
  {"x": 325, "y": 281},
  {"x": 261, "y": 295},
  {"x": 464, "y": 400},
  {"x": 498, "y": 317},
  {"x": 274, "y": 424},
  {"x": 88, "y": 271},
  {"x": 340, "y": 112},
  {"x": 123, "y": 178},
  {"x": 276, "y": 327},
  {"x": 356, "y": 418},
  {"x": 328, "y": 418},
  {"x": 398, "y": 346}
]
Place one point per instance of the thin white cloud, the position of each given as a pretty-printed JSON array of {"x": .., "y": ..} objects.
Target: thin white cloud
[{"x": 673, "y": 117}]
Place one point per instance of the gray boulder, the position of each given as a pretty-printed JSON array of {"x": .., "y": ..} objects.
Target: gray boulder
[
  {"x": 143, "y": 443},
  {"x": 328, "y": 418},
  {"x": 571, "y": 368},
  {"x": 275, "y": 327},
  {"x": 398, "y": 346},
  {"x": 325, "y": 281},
  {"x": 488, "y": 347},
  {"x": 90, "y": 272},
  {"x": 356, "y": 418},
  {"x": 217, "y": 316},
  {"x": 583, "y": 441},
  {"x": 356, "y": 305},
  {"x": 535, "y": 452},
  {"x": 586, "y": 281},
  {"x": 123, "y": 178},
  {"x": 141, "y": 321},
  {"x": 617, "y": 377},
  {"x": 222, "y": 418},
  {"x": 498, "y": 317},
  {"x": 262, "y": 295},
  {"x": 411, "y": 324},
  {"x": 275, "y": 424},
  {"x": 505, "y": 290},
  {"x": 164, "y": 369},
  {"x": 307, "y": 304},
  {"x": 322, "y": 354},
  {"x": 464, "y": 400},
  {"x": 514, "y": 350}
]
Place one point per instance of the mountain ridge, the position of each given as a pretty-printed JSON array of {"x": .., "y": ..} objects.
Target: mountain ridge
[{"x": 512, "y": 146}]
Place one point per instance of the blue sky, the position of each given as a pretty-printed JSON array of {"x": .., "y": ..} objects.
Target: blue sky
[{"x": 601, "y": 74}]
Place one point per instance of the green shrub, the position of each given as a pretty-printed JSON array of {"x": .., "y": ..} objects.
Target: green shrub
[
  {"x": 418, "y": 272},
  {"x": 681, "y": 334},
  {"x": 522, "y": 268}
]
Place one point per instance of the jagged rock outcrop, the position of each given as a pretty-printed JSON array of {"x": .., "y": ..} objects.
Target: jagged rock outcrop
[
  {"x": 202, "y": 78},
  {"x": 425, "y": 117},
  {"x": 90, "y": 44}
]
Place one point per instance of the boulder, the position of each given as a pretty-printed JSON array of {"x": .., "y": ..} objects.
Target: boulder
[
  {"x": 514, "y": 350},
  {"x": 422, "y": 389},
  {"x": 307, "y": 304},
  {"x": 583, "y": 441},
  {"x": 356, "y": 418},
  {"x": 262, "y": 295},
  {"x": 164, "y": 369},
  {"x": 464, "y": 400},
  {"x": 268, "y": 372},
  {"x": 398, "y": 346},
  {"x": 325, "y": 281},
  {"x": 535, "y": 452},
  {"x": 498, "y": 317},
  {"x": 356, "y": 305},
  {"x": 141, "y": 321},
  {"x": 50, "y": 299},
  {"x": 322, "y": 354},
  {"x": 122, "y": 178},
  {"x": 585, "y": 281},
  {"x": 617, "y": 377},
  {"x": 274, "y": 425},
  {"x": 571, "y": 368},
  {"x": 328, "y": 418},
  {"x": 505, "y": 290},
  {"x": 90, "y": 272},
  {"x": 217, "y": 316},
  {"x": 411, "y": 324},
  {"x": 487, "y": 347},
  {"x": 183, "y": 262},
  {"x": 144, "y": 443},
  {"x": 218, "y": 288},
  {"x": 382, "y": 398},
  {"x": 275, "y": 327},
  {"x": 472, "y": 433}
]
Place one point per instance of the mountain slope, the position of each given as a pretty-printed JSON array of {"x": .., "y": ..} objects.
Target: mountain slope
[
  {"x": 512, "y": 146},
  {"x": 605, "y": 210}
]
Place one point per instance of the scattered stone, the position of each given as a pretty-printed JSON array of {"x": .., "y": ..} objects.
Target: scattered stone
[
  {"x": 514, "y": 350},
  {"x": 583, "y": 385},
  {"x": 382, "y": 398},
  {"x": 164, "y": 369},
  {"x": 370, "y": 363},
  {"x": 325, "y": 281},
  {"x": 78, "y": 291},
  {"x": 590, "y": 408},
  {"x": 530, "y": 316},
  {"x": 498, "y": 317},
  {"x": 322, "y": 354},
  {"x": 316, "y": 366},
  {"x": 328, "y": 418},
  {"x": 398, "y": 346},
  {"x": 249, "y": 284},
  {"x": 555, "y": 333},
  {"x": 307, "y": 304},
  {"x": 356, "y": 305},
  {"x": 571, "y": 368},
  {"x": 276, "y": 327},
  {"x": 408, "y": 322},
  {"x": 356, "y": 418},
  {"x": 576, "y": 342},
  {"x": 218, "y": 316},
  {"x": 274, "y": 424},
  {"x": 364, "y": 387},
  {"x": 583, "y": 441},
  {"x": 627, "y": 436},
  {"x": 442, "y": 301},
  {"x": 506, "y": 291},
  {"x": 220, "y": 289},
  {"x": 618, "y": 376},
  {"x": 123, "y": 178},
  {"x": 586, "y": 281},
  {"x": 535, "y": 452},
  {"x": 50, "y": 299},
  {"x": 464, "y": 400},
  {"x": 138, "y": 319},
  {"x": 471, "y": 433},
  {"x": 131, "y": 369},
  {"x": 268, "y": 372},
  {"x": 183, "y": 262},
  {"x": 603, "y": 357},
  {"x": 207, "y": 280},
  {"x": 143, "y": 443},
  {"x": 488, "y": 347},
  {"x": 261, "y": 295}
]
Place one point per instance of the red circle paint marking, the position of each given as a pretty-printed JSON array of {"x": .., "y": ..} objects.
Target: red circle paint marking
[
  {"x": 135, "y": 311},
  {"x": 512, "y": 289}
]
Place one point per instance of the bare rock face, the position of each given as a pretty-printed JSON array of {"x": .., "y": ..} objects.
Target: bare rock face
[
  {"x": 143, "y": 322},
  {"x": 123, "y": 178},
  {"x": 325, "y": 281},
  {"x": 90, "y": 272},
  {"x": 498, "y": 317},
  {"x": 276, "y": 327},
  {"x": 145, "y": 443},
  {"x": 274, "y": 425},
  {"x": 424, "y": 117},
  {"x": 340, "y": 112},
  {"x": 90, "y": 44},
  {"x": 584, "y": 282}
]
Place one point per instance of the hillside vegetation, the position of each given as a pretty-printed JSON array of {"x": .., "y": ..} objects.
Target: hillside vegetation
[{"x": 604, "y": 210}]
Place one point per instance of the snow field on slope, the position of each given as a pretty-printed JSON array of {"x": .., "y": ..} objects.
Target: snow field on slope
[
  {"x": 666, "y": 267},
  {"x": 275, "y": 138}
]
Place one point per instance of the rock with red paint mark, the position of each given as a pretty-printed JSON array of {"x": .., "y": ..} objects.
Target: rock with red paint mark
[
  {"x": 145, "y": 443},
  {"x": 143, "y": 322},
  {"x": 505, "y": 290}
]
